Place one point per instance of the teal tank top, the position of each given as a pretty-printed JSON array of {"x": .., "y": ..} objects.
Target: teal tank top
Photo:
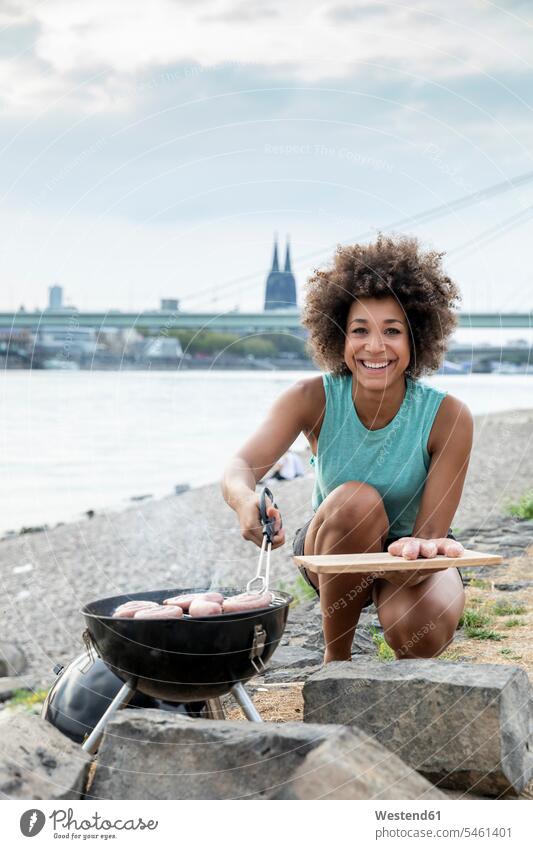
[{"x": 393, "y": 459}]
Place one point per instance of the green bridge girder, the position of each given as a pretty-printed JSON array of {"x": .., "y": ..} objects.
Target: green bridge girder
[{"x": 231, "y": 322}]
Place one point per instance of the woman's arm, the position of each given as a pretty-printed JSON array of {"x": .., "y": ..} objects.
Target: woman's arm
[
  {"x": 451, "y": 443},
  {"x": 287, "y": 418}
]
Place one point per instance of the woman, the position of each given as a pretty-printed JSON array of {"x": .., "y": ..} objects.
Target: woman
[{"x": 390, "y": 452}]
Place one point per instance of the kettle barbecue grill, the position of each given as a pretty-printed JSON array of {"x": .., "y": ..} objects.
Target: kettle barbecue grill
[{"x": 187, "y": 659}]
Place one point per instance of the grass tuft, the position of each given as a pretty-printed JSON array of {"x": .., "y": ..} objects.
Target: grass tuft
[
  {"x": 483, "y": 634},
  {"x": 385, "y": 652},
  {"x": 510, "y": 654},
  {"x": 473, "y": 619},
  {"x": 27, "y": 698},
  {"x": 508, "y": 608},
  {"x": 514, "y": 622},
  {"x": 479, "y": 583},
  {"x": 523, "y": 508}
]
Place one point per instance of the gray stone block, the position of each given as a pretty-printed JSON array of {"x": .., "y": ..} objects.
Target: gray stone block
[
  {"x": 149, "y": 754},
  {"x": 293, "y": 657},
  {"x": 307, "y": 613},
  {"x": 462, "y": 725},
  {"x": 292, "y": 663},
  {"x": 363, "y": 643},
  {"x": 37, "y": 761},
  {"x": 514, "y": 586},
  {"x": 351, "y": 765},
  {"x": 12, "y": 659},
  {"x": 286, "y": 676},
  {"x": 518, "y": 540}
]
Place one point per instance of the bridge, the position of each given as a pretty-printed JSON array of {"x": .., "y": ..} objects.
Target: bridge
[
  {"x": 495, "y": 351},
  {"x": 228, "y": 322}
]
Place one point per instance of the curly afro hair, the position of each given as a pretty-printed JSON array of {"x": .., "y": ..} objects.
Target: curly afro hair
[{"x": 390, "y": 266}]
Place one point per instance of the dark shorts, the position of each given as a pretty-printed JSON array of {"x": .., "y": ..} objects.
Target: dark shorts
[{"x": 298, "y": 550}]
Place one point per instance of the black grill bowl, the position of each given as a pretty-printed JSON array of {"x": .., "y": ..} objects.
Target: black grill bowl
[{"x": 185, "y": 659}]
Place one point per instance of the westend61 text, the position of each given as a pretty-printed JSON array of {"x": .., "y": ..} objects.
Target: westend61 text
[{"x": 407, "y": 815}]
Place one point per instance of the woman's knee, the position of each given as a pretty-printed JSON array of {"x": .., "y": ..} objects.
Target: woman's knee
[
  {"x": 422, "y": 644},
  {"x": 418, "y": 621},
  {"x": 355, "y": 505}
]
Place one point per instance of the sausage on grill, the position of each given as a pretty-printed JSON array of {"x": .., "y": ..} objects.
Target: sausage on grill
[
  {"x": 185, "y": 601},
  {"x": 129, "y": 608},
  {"x": 203, "y": 607},
  {"x": 168, "y": 611},
  {"x": 246, "y": 601}
]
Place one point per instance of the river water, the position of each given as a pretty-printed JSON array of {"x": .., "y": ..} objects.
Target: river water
[{"x": 74, "y": 441}]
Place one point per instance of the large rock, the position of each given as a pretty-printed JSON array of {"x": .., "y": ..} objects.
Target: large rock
[
  {"x": 465, "y": 726},
  {"x": 12, "y": 659},
  {"x": 151, "y": 754},
  {"x": 37, "y": 761},
  {"x": 351, "y": 765},
  {"x": 181, "y": 758}
]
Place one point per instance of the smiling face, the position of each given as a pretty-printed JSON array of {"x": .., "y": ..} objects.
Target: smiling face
[{"x": 376, "y": 348}]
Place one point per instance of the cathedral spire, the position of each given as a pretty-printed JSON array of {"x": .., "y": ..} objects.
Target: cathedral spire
[
  {"x": 275, "y": 263},
  {"x": 288, "y": 257},
  {"x": 280, "y": 291}
]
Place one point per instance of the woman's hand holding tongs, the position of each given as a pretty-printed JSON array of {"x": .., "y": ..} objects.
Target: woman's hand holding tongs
[{"x": 250, "y": 521}]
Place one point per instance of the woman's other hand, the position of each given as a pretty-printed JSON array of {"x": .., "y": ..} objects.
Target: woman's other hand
[
  {"x": 250, "y": 522},
  {"x": 411, "y": 548}
]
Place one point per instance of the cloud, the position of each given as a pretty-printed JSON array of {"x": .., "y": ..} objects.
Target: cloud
[
  {"x": 106, "y": 44},
  {"x": 250, "y": 11},
  {"x": 171, "y": 125}
]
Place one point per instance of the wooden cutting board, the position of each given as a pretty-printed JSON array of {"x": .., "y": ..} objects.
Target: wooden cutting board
[{"x": 382, "y": 561}]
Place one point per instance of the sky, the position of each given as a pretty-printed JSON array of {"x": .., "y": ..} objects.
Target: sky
[{"x": 152, "y": 150}]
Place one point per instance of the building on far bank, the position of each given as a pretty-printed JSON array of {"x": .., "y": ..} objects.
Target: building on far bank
[
  {"x": 55, "y": 301},
  {"x": 170, "y": 304},
  {"x": 280, "y": 285},
  {"x": 55, "y": 297}
]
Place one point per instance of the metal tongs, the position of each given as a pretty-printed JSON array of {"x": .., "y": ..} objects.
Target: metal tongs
[{"x": 259, "y": 584}]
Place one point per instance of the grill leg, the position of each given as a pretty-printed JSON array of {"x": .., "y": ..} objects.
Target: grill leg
[
  {"x": 121, "y": 699},
  {"x": 215, "y": 709},
  {"x": 245, "y": 703}
]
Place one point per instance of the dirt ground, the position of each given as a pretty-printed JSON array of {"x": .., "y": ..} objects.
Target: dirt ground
[
  {"x": 516, "y": 644},
  {"x": 276, "y": 703}
]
